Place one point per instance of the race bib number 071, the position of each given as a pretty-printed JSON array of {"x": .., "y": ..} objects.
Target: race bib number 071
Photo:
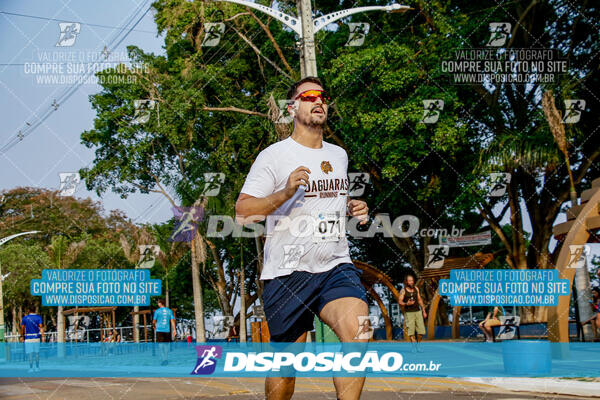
[{"x": 329, "y": 226}]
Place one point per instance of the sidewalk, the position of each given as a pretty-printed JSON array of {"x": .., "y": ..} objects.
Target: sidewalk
[{"x": 559, "y": 386}]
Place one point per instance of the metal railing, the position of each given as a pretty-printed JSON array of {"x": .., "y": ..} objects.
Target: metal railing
[{"x": 94, "y": 335}]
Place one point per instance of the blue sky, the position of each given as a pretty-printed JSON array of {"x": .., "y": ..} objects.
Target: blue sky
[{"x": 55, "y": 146}]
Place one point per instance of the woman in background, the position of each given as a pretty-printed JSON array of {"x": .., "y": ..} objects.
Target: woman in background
[{"x": 491, "y": 320}]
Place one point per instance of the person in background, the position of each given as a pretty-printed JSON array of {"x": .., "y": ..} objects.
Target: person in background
[
  {"x": 32, "y": 332},
  {"x": 112, "y": 339},
  {"x": 491, "y": 320},
  {"x": 414, "y": 311},
  {"x": 595, "y": 304},
  {"x": 596, "y": 282},
  {"x": 115, "y": 337},
  {"x": 163, "y": 323}
]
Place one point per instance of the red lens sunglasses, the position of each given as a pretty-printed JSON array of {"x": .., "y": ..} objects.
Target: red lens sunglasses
[{"x": 313, "y": 95}]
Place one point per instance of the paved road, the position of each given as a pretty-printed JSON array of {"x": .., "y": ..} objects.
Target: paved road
[{"x": 246, "y": 389}]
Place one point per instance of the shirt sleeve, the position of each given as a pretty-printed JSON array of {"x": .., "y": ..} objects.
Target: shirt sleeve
[
  {"x": 171, "y": 315},
  {"x": 261, "y": 179},
  {"x": 154, "y": 316}
]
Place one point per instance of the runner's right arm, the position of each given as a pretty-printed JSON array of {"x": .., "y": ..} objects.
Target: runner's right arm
[{"x": 249, "y": 209}]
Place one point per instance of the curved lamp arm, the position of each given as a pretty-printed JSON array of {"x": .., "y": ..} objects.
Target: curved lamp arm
[
  {"x": 291, "y": 22},
  {"x": 325, "y": 20},
  {"x": 6, "y": 239}
]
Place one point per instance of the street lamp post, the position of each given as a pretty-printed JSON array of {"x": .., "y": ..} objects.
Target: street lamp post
[
  {"x": 306, "y": 27},
  {"x": 2, "y": 241}
]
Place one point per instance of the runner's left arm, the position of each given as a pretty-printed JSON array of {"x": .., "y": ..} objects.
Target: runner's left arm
[{"x": 358, "y": 209}]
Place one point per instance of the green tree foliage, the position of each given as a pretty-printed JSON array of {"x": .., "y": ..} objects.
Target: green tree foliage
[
  {"x": 24, "y": 262},
  {"x": 215, "y": 114}
]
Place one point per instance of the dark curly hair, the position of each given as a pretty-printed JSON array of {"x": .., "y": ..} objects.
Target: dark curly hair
[{"x": 292, "y": 91}]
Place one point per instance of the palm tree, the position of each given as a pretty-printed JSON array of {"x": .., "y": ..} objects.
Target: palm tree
[
  {"x": 139, "y": 237},
  {"x": 63, "y": 254},
  {"x": 169, "y": 256}
]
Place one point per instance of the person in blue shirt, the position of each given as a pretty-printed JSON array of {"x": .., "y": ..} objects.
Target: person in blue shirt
[
  {"x": 32, "y": 332},
  {"x": 163, "y": 323}
]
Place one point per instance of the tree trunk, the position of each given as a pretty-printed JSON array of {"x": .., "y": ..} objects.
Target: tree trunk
[
  {"x": 136, "y": 324},
  {"x": 516, "y": 222},
  {"x": 53, "y": 320},
  {"x": 197, "y": 288},
  {"x": 60, "y": 325},
  {"x": 167, "y": 293},
  {"x": 15, "y": 324},
  {"x": 259, "y": 263},
  {"x": 243, "y": 305},
  {"x": 220, "y": 285}
]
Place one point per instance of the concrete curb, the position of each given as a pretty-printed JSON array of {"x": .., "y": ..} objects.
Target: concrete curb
[{"x": 544, "y": 385}]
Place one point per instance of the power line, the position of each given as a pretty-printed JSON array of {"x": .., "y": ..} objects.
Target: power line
[
  {"x": 62, "y": 20},
  {"x": 67, "y": 93},
  {"x": 48, "y": 62}
]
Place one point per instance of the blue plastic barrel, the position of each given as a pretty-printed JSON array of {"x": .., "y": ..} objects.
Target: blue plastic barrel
[{"x": 526, "y": 357}]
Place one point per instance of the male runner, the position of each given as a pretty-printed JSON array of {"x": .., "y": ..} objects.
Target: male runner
[
  {"x": 32, "y": 332},
  {"x": 163, "y": 323},
  {"x": 300, "y": 185}
]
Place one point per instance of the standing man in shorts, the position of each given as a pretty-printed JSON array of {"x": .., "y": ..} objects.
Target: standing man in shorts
[
  {"x": 300, "y": 186},
  {"x": 414, "y": 311},
  {"x": 32, "y": 333},
  {"x": 163, "y": 323}
]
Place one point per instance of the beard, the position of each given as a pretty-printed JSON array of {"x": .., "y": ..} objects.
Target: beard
[{"x": 312, "y": 120}]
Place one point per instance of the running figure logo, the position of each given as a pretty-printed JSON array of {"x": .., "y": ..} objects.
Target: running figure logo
[
  {"x": 500, "y": 31},
  {"x": 142, "y": 109},
  {"x": 366, "y": 326},
  {"x": 185, "y": 228},
  {"x": 207, "y": 359},
  {"x": 284, "y": 117},
  {"x": 358, "y": 32},
  {"x": 68, "y": 183},
  {"x": 358, "y": 181},
  {"x": 432, "y": 110},
  {"x": 68, "y": 33},
  {"x": 221, "y": 326},
  {"x": 437, "y": 255},
  {"x": 212, "y": 33},
  {"x": 213, "y": 180},
  {"x": 577, "y": 255},
  {"x": 508, "y": 328},
  {"x": 292, "y": 254},
  {"x": 498, "y": 183},
  {"x": 573, "y": 110},
  {"x": 148, "y": 254}
]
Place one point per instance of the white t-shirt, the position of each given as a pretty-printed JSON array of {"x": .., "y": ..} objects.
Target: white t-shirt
[{"x": 307, "y": 232}]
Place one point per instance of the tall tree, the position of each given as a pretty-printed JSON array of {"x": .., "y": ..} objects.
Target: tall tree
[
  {"x": 22, "y": 262},
  {"x": 63, "y": 254}
]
